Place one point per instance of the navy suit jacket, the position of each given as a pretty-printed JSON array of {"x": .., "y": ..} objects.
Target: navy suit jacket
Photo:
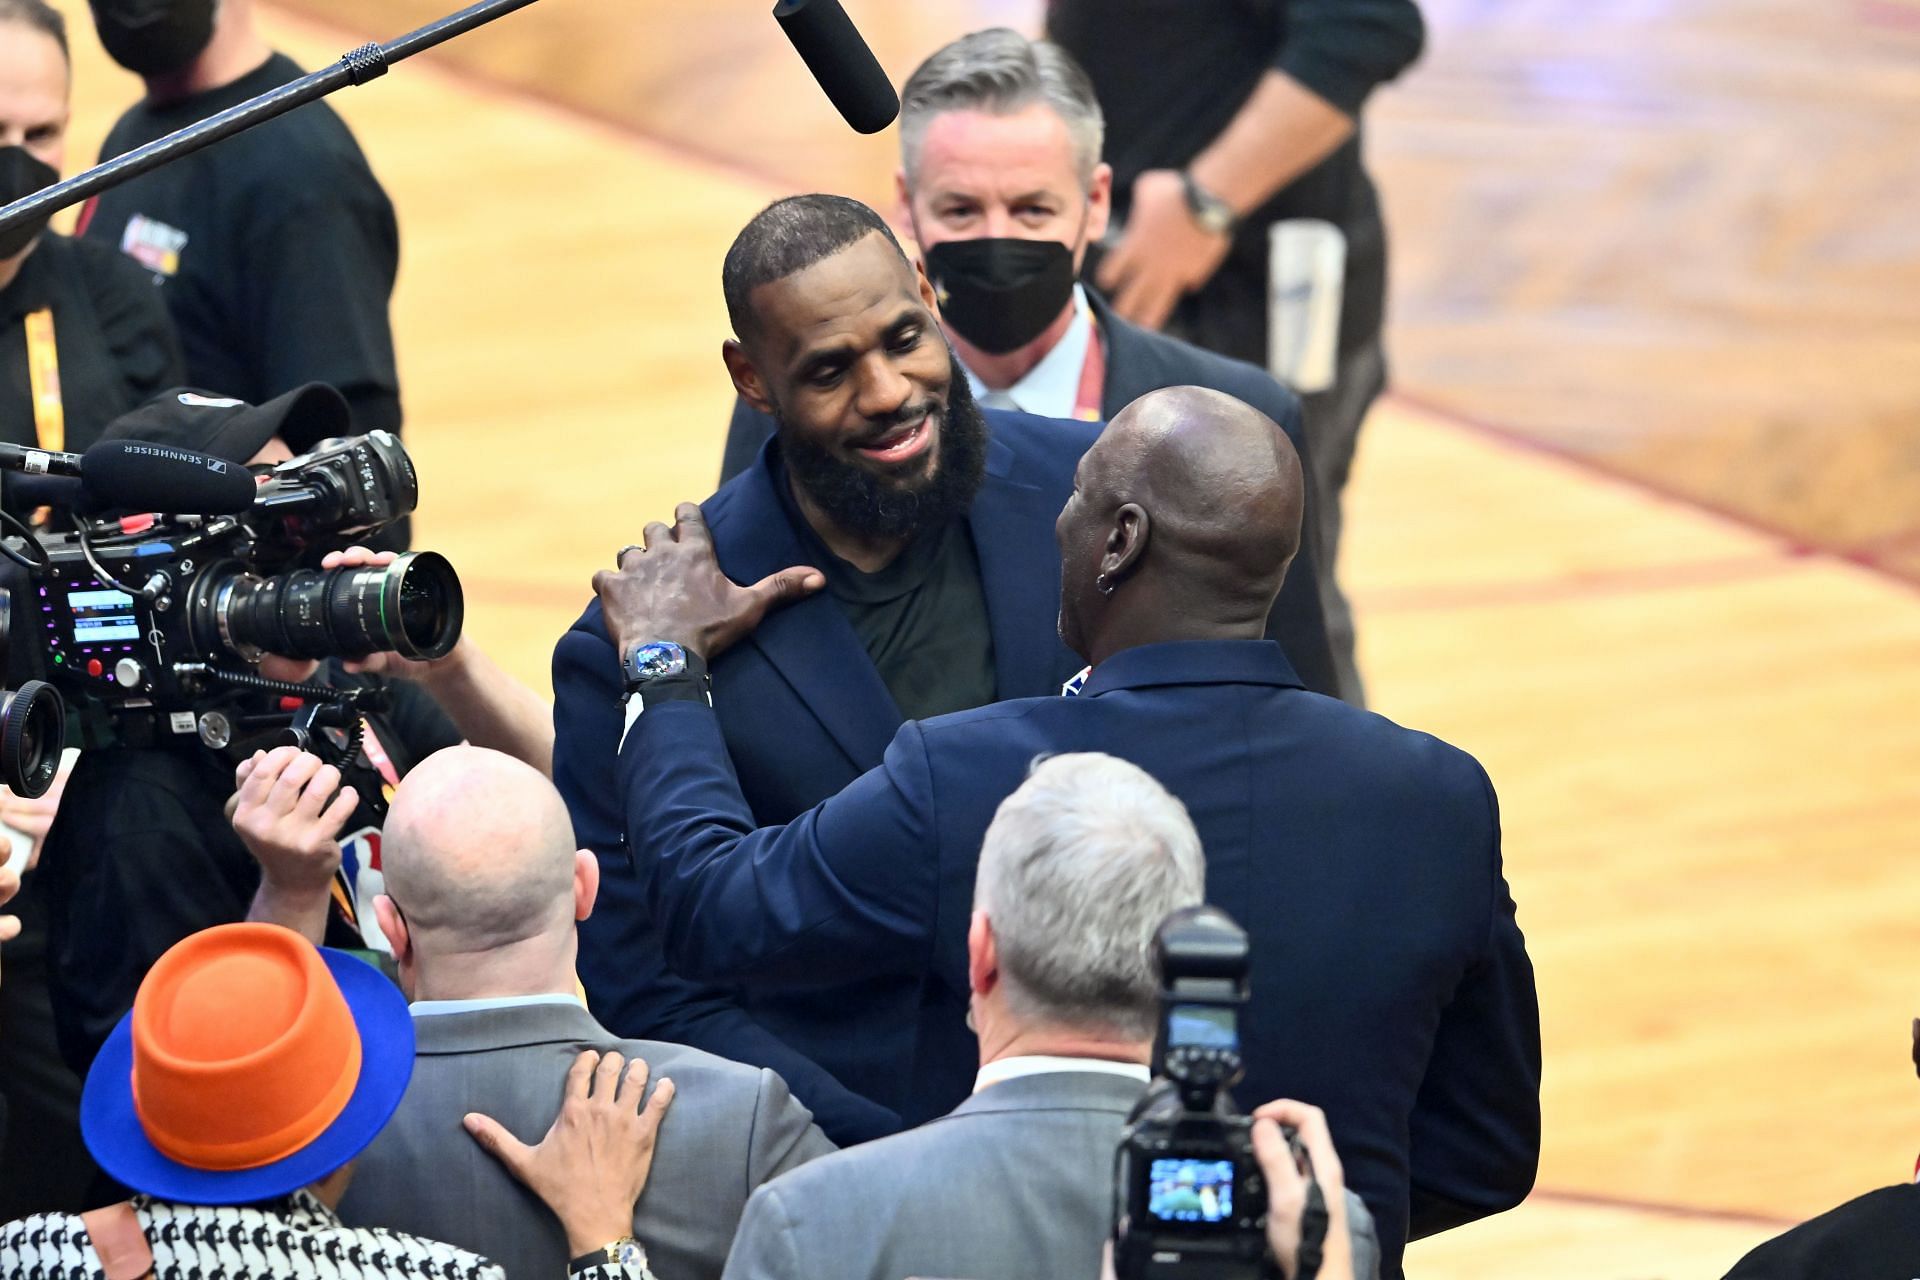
[
  {"x": 802, "y": 712},
  {"x": 1138, "y": 361},
  {"x": 1391, "y": 984}
]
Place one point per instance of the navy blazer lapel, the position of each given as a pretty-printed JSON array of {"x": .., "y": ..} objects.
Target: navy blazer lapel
[
  {"x": 1012, "y": 525},
  {"x": 1133, "y": 365},
  {"x": 810, "y": 643}
]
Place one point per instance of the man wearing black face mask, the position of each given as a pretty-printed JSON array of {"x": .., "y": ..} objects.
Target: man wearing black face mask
[
  {"x": 276, "y": 251},
  {"x": 928, "y": 525},
  {"x": 1003, "y": 186},
  {"x": 88, "y": 340}
]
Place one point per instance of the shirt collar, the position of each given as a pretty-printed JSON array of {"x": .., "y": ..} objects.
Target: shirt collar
[
  {"x": 1051, "y": 387},
  {"x": 427, "y": 1008},
  {"x": 1004, "y": 1069}
]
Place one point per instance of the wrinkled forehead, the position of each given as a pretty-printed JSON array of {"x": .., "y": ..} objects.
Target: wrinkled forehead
[{"x": 847, "y": 298}]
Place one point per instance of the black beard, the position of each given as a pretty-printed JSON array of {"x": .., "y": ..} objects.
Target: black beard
[{"x": 865, "y": 504}]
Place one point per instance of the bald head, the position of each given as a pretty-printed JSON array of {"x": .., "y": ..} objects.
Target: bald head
[
  {"x": 478, "y": 852},
  {"x": 1185, "y": 514}
]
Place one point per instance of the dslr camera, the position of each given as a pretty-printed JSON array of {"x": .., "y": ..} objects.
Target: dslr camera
[
  {"x": 1190, "y": 1201},
  {"x": 142, "y": 629}
]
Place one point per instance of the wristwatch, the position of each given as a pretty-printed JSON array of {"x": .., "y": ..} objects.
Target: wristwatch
[
  {"x": 624, "y": 1254},
  {"x": 662, "y": 671},
  {"x": 1210, "y": 213}
]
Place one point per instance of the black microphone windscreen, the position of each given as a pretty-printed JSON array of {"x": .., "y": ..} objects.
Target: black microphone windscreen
[
  {"x": 136, "y": 476},
  {"x": 826, "y": 40}
]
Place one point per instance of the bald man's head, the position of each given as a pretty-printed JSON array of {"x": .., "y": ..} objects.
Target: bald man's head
[
  {"x": 478, "y": 852},
  {"x": 1188, "y": 506}
]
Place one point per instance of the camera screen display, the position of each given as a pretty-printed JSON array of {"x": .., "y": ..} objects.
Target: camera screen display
[
  {"x": 102, "y": 617},
  {"x": 1202, "y": 1026},
  {"x": 1188, "y": 1190}
]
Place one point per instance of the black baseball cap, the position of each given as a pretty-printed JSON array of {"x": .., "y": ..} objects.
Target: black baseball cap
[{"x": 187, "y": 418}]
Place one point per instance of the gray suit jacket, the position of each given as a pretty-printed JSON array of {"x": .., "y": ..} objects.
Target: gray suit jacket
[
  {"x": 730, "y": 1128},
  {"x": 1016, "y": 1183}
]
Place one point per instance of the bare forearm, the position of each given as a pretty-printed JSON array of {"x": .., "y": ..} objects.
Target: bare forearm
[
  {"x": 1283, "y": 130},
  {"x": 493, "y": 709},
  {"x": 302, "y": 910}
]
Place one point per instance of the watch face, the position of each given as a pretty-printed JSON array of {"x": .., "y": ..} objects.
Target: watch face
[{"x": 656, "y": 659}]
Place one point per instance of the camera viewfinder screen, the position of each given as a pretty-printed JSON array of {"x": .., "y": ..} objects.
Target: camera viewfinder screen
[
  {"x": 103, "y": 617},
  {"x": 1202, "y": 1026},
  {"x": 1185, "y": 1190}
]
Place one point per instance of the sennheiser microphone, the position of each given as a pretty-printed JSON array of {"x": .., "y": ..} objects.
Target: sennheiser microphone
[
  {"x": 138, "y": 476},
  {"x": 128, "y": 475},
  {"x": 827, "y": 41}
]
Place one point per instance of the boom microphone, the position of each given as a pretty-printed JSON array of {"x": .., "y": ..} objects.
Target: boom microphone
[
  {"x": 129, "y": 475},
  {"x": 826, "y": 40}
]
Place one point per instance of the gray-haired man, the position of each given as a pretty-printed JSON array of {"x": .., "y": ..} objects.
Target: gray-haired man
[
  {"x": 1077, "y": 870},
  {"x": 1002, "y": 183}
]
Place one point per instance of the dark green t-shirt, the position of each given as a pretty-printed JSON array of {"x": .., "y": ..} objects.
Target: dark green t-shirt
[{"x": 922, "y": 619}]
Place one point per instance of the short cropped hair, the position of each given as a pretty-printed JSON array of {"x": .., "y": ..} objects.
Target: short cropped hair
[
  {"x": 786, "y": 238},
  {"x": 1000, "y": 71},
  {"x": 1077, "y": 871},
  {"x": 40, "y": 16}
]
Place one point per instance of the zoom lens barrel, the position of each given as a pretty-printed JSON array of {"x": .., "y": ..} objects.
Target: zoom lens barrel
[
  {"x": 412, "y": 607},
  {"x": 33, "y": 729}
]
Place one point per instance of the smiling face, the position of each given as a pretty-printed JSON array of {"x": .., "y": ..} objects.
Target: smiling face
[{"x": 875, "y": 423}]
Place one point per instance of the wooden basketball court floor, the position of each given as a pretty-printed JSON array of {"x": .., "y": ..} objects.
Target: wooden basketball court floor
[{"x": 1701, "y": 729}]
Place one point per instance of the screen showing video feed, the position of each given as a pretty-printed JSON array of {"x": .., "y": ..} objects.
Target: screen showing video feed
[
  {"x": 1186, "y": 1190},
  {"x": 1202, "y": 1026},
  {"x": 103, "y": 617}
]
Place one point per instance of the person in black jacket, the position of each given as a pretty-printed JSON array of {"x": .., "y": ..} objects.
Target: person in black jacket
[
  {"x": 1002, "y": 183},
  {"x": 84, "y": 337},
  {"x": 1234, "y": 125},
  {"x": 277, "y": 250}
]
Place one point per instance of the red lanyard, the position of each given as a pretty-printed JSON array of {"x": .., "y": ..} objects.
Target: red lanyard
[{"x": 1093, "y": 377}]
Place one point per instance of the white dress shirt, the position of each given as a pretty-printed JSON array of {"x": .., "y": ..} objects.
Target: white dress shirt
[{"x": 1002, "y": 1070}]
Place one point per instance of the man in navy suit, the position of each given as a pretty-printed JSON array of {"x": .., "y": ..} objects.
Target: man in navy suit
[
  {"x": 932, "y": 525},
  {"x": 1002, "y": 182},
  {"x": 1391, "y": 982}
]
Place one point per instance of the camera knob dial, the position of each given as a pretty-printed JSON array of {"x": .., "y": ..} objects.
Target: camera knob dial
[{"x": 129, "y": 674}]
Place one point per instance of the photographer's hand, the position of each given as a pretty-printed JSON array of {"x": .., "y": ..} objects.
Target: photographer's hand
[
  {"x": 671, "y": 588},
  {"x": 289, "y": 814},
  {"x": 1287, "y": 1189},
  {"x": 33, "y": 816},
  {"x": 490, "y": 707}
]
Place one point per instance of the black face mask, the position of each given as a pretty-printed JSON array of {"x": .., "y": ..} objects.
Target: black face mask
[
  {"x": 1001, "y": 294},
  {"x": 21, "y": 174},
  {"x": 154, "y": 37}
]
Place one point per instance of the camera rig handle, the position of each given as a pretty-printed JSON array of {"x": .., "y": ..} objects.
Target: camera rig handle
[{"x": 321, "y": 707}]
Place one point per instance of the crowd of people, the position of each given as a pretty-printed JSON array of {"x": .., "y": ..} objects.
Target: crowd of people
[{"x": 809, "y": 930}]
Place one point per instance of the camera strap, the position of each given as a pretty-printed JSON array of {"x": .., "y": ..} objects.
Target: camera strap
[{"x": 1313, "y": 1232}]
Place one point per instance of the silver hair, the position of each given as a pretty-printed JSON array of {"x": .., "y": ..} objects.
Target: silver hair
[
  {"x": 1078, "y": 869},
  {"x": 1000, "y": 71}
]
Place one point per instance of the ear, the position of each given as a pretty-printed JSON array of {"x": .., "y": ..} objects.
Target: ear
[
  {"x": 983, "y": 956},
  {"x": 928, "y": 298},
  {"x": 903, "y": 207},
  {"x": 1099, "y": 205},
  {"x": 1126, "y": 541},
  {"x": 586, "y": 882},
  {"x": 746, "y": 379},
  {"x": 394, "y": 926}
]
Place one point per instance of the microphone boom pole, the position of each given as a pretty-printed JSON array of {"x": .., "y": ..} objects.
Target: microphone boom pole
[{"x": 368, "y": 62}]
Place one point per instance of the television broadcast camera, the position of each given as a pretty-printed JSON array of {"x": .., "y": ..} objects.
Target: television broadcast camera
[
  {"x": 148, "y": 624},
  {"x": 1189, "y": 1197}
]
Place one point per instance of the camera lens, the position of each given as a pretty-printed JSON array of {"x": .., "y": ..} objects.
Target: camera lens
[
  {"x": 33, "y": 729},
  {"x": 413, "y": 607}
]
